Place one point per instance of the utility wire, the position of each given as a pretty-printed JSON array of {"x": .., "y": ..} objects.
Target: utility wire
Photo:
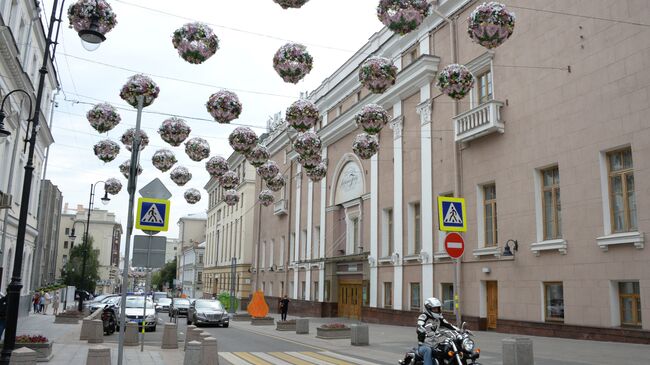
[{"x": 580, "y": 16}]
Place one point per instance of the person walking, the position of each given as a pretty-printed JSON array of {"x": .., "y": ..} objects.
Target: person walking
[
  {"x": 55, "y": 303},
  {"x": 36, "y": 301},
  {"x": 284, "y": 307},
  {"x": 48, "y": 300},
  {"x": 41, "y": 303}
]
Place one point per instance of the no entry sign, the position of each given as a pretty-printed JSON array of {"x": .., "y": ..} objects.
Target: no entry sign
[{"x": 454, "y": 245}]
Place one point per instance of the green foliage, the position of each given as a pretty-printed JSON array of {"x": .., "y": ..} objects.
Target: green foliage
[
  {"x": 71, "y": 273},
  {"x": 167, "y": 274},
  {"x": 224, "y": 298}
]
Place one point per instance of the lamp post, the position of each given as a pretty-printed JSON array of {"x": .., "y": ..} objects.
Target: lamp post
[{"x": 13, "y": 290}]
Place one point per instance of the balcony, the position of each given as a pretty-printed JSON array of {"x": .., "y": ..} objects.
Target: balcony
[
  {"x": 280, "y": 207},
  {"x": 478, "y": 122}
]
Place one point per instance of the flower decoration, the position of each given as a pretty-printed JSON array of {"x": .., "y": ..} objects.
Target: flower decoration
[
  {"x": 224, "y": 106},
  {"x": 402, "y": 16},
  {"x": 276, "y": 183},
  {"x": 285, "y": 4},
  {"x": 163, "y": 160},
  {"x": 180, "y": 175},
  {"x": 309, "y": 161},
  {"x": 31, "y": 339},
  {"x": 126, "y": 165},
  {"x": 307, "y": 143},
  {"x": 82, "y": 14},
  {"x": 365, "y": 145},
  {"x": 106, "y": 150},
  {"x": 455, "y": 81},
  {"x": 333, "y": 326},
  {"x": 266, "y": 197},
  {"x": 192, "y": 196},
  {"x": 217, "y": 166},
  {"x": 242, "y": 139},
  {"x": 268, "y": 170},
  {"x": 231, "y": 197},
  {"x": 112, "y": 186},
  {"x": 197, "y": 148},
  {"x": 103, "y": 117},
  {"x": 127, "y": 139},
  {"x": 302, "y": 115},
  {"x": 258, "y": 156},
  {"x": 292, "y": 62},
  {"x": 174, "y": 131},
  {"x": 490, "y": 24},
  {"x": 229, "y": 180},
  {"x": 195, "y": 42},
  {"x": 139, "y": 85},
  {"x": 317, "y": 173},
  {"x": 372, "y": 118},
  {"x": 377, "y": 74}
]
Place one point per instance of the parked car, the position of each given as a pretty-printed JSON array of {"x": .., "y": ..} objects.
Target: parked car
[
  {"x": 158, "y": 295},
  {"x": 134, "y": 311},
  {"x": 206, "y": 311},
  {"x": 86, "y": 295},
  {"x": 111, "y": 300},
  {"x": 163, "y": 304},
  {"x": 179, "y": 307}
]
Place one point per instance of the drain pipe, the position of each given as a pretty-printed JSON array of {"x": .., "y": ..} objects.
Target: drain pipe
[{"x": 47, "y": 152}]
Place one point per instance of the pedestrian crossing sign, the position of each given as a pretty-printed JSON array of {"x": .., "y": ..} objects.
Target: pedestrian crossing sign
[
  {"x": 153, "y": 214},
  {"x": 452, "y": 214}
]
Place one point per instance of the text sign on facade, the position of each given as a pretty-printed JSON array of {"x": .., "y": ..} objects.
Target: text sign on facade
[
  {"x": 452, "y": 214},
  {"x": 454, "y": 245},
  {"x": 153, "y": 214}
]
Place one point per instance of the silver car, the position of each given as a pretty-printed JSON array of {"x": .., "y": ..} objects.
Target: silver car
[
  {"x": 205, "y": 311},
  {"x": 134, "y": 312}
]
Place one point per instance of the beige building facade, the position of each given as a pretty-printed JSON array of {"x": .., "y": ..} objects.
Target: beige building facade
[
  {"x": 192, "y": 230},
  {"x": 554, "y": 134}
]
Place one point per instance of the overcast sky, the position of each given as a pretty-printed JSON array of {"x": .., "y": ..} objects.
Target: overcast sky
[{"x": 249, "y": 32}]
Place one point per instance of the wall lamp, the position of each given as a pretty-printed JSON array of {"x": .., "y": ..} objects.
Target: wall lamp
[{"x": 507, "y": 250}]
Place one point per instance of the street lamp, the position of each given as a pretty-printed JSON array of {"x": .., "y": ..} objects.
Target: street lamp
[
  {"x": 13, "y": 290},
  {"x": 3, "y": 132}
]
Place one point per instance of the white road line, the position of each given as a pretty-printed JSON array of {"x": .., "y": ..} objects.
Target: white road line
[
  {"x": 272, "y": 359},
  {"x": 309, "y": 358},
  {"x": 347, "y": 358},
  {"x": 234, "y": 360}
]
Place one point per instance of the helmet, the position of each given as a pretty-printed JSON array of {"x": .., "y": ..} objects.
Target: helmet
[{"x": 433, "y": 307}]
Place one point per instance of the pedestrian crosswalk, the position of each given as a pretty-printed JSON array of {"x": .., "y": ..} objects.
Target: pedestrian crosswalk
[{"x": 290, "y": 358}]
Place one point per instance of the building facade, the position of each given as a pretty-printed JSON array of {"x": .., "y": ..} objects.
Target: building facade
[
  {"x": 49, "y": 220},
  {"x": 192, "y": 270},
  {"x": 192, "y": 231},
  {"x": 171, "y": 249},
  {"x": 564, "y": 96}
]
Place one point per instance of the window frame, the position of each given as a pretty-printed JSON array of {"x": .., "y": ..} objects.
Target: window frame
[
  {"x": 623, "y": 173},
  {"x": 415, "y": 305},
  {"x": 388, "y": 294},
  {"x": 554, "y": 188},
  {"x": 493, "y": 205},
  {"x": 548, "y": 318},
  {"x": 636, "y": 301},
  {"x": 444, "y": 298}
]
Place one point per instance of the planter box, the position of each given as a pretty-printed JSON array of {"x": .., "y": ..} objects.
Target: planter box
[
  {"x": 286, "y": 325},
  {"x": 266, "y": 321},
  {"x": 241, "y": 317},
  {"x": 43, "y": 350},
  {"x": 66, "y": 319},
  {"x": 333, "y": 333}
]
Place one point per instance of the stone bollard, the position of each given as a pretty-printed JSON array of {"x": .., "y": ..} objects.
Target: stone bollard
[
  {"x": 170, "y": 336},
  {"x": 210, "y": 353},
  {"x": 131, "y": 334},
  {"x": 360, "y": 335},
  {"x": 96, "y": 331},
  {"x": 302, "y": 326},
  {"x": 517, "y": 351},
  {"x": 23, "y": 356},
  {"x": 85, "y": 329},
  {"x": 188, "y": 335},
  {"x": 192, "y": 353},
  {"x": 203, "y": 336},
  {"x": 98, "y": 355}
]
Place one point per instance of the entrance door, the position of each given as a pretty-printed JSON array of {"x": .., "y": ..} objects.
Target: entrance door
[
  {"x": 350, "y": 298},
  {"x": 492, "y": 304}
]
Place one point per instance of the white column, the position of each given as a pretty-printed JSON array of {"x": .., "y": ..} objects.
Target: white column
[
  {"x": 308, "y": 284},
  {"x": 296, "y": 242},
  {"x": 426, "y": 203},
  {"x": 374, "y": 226},
  {"x": 321, "y": 246},
  {"x": 310, "y": 206},
  {"x": 398, "y": 212}
]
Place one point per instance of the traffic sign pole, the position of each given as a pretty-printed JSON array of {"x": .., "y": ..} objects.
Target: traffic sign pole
[{"x": 455, "y": 247}]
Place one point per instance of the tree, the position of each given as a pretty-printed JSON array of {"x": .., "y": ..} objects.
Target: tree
[
  {"x": 166, "y": 275},
  {"x": 71, "y": 273}
]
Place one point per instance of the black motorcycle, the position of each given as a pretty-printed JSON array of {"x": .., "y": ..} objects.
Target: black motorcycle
[
  {"x": 453, "y": 347},
  {"x": 109, "y": 319}
]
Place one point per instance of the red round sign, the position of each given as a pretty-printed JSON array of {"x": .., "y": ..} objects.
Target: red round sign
[{"x": 454, "y": 245}]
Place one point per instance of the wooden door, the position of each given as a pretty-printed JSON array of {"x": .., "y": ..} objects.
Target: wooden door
[
  {"x": 492, "y": 304},
  {"x": 350, "y": 298}
]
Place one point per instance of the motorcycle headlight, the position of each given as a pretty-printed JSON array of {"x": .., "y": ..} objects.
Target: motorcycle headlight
[{"x": 468, "y": 344}]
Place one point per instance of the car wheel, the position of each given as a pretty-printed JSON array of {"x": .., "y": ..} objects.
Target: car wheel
[
  {"x": 153, "y": 329},
  {"x": 225, "y": 325}
]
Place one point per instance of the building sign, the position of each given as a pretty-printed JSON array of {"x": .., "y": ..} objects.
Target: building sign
[{"x": 350, "y": 183}]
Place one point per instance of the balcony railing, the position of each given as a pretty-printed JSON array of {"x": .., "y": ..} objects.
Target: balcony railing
[
  {"x": 280, "y": 207},
  {"x": 480, "y": 121}
]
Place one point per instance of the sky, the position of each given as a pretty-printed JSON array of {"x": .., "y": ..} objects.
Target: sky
[{"x": 249, "y": 32}]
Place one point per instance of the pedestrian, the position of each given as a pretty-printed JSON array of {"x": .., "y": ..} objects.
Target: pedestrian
[
  {"x": 36, "y": 301},
  {"x": 284, "y": 307},
  {"x": 55, "y": 303},
  {"x": 48, "y": 300},
  {"x": 41, "y": 303}
]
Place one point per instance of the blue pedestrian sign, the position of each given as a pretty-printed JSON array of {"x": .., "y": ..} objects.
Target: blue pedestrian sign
[
  {"x": 452, "y": 214},
  {"x": 153, "y": 214}
]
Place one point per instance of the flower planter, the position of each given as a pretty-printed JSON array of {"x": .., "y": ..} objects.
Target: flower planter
[
  {"x": 333, "y": 333},
  {"x": 241, "y": 317},
  {"x": 192, "y": 196},
  {"x": 264, "y": 321},
  {"x": 286, "y": 325},
  {"x": 43, "y": 350}
]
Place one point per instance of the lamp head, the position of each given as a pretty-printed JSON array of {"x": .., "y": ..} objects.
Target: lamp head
[
  {"x": 91, "y": 38},
  {"x": 72, "y": 236},
  {"x": 105, "y": 199},
  {"x": 3, "y": 132}
]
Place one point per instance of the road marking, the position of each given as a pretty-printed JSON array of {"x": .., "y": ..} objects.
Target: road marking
[
  {"x": 251, "y": 358},
  {"x": 272, "y": 359},
  {"x": 347, "y": 358},
  {"x": 289, "y": 358},
  {"x": 327, "y": 358},
  {"x": 232, "y": 359},
  {"x": 314, "y": 358}
]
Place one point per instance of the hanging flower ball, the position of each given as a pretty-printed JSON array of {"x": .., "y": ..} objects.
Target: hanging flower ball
[
  {"x": 192, "y": 196},
  {"x": 82, "y": 14},
  {"x": 127, "y": 139},
  {"x": 112, "y": 186},
  {"x": 231, "y": 197},
  {"x": 365, "y": 145},
  {"x": 103, "y": 117},
  {"x": 258, "y": 156},
  {"x": 229, "y": 180},
  {"x": 180, "y": 175},
  {"x": 242, "y": 140},
  {"x": 224, "y": 106},
  {"x": 402, "y": 16},
  {"x": 309, "y": 161},
  {"x": 106, "y": 150},
  {"x": 138, "y": 85},
  {"x": 217, "y": 166},
  {"x": 302, "y": 115},
  {"x": 174, "y": 131},
  {"x": 490, "y": 24},
  {"x": 266, "y": 197},
  {"x": 455, "y": 81},
  {"x": 292, "y": 62},
  {"x": 163, "y": 160},
  {"x": 276, "y": 183},
  {"x": 268, "y": 170},
  {"x": 125, "y": 166},
  {"x": 377, "y": 74},
  {"x": 285, "y": 4},
  {"x": 195, "y": 42},
  {"x": 197, "y": 149},
  {"x": 307, "y": 143},
  {"x": 318, "y": 172},
  {"x": 372, "y": 118}
]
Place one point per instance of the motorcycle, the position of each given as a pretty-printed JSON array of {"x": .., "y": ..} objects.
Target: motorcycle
[
  {"x": 109, "y": 319},
  {"x": 453, "y": 348}
]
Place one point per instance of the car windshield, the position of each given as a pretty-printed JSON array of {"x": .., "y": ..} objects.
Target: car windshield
[
  {"x": 137, "y": 302},
  {"x": 164, "y": 301},
  {"x": 208, "y": 304},
  {"x": 107, "y": 299},
  {"x": 181, "y": 302},
  {"x": 100, "y": 298}
]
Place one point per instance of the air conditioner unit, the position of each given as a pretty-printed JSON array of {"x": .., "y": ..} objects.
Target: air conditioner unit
[
  {"x": 280, "y": 207},
  {"x": 5, "y": 200}
]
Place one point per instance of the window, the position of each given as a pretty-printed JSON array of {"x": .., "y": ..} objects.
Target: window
[
  {"x": 484, "y": 87},
  {"x": 415, "y": 296},
  {"x": 292, "y": 252},
  {"x": 67, "y": 231},
  {"x": 355, "y": 236},
  {"x": 303, "y": 244},
  {"x": 314, "y": 291},
  {"x": 200, "y": 259},
  {"x": 65, "y": 244},
  {"x": 282, "y": 288},
  {"x": 388, "y": 295},
  {"x": 65, "y": 260},
  {"x": 282, "y": 243},
  {"x": 551, "y": 203},
  {"x": 199, "y": 279},
  {"x": 303, "y": 290},
  {"x": 415, "y": 241},
  {"x": 315, "y": 251},
  {"x": 327, "y": 290},
  {"x": 630, "y": 303},
  {"x": 490, "y": 216},
  {"x": 621, "y": 190},
  {"x": 447, "y": 296},
  {"x": 388, "y": 239},
  {"x": 554, "y": 302}
]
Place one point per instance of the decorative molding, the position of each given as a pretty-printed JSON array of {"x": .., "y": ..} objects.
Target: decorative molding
[
  {"x": 395, "y": 259},
  {"x": 549, "y": 245},
  {"x": 397, "y": 125},
  {"x": 424, "y": 257},
  {"x": 481, "y": 62},
  {"x": 487, "y": 251},
  {"x": 440, "y": 255},
  {"x": 424, "y": 110},
  {"x": 385, "y": 260},
  {"x": 372, "y": 262},
  {"x": 633, "y": 238},
  {"x": 414, "y": 257}
]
